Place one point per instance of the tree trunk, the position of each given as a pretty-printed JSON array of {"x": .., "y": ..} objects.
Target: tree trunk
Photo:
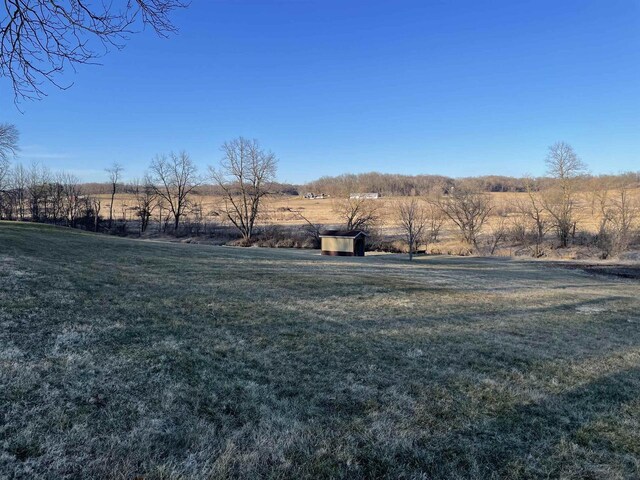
[{"x": 113, "y": 194}]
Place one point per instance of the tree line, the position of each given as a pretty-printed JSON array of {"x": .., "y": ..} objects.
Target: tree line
[
  {"x": 244, "y": 176},
  {"x": 559, "y": 203},
  {"x": 396, "y": 185}
]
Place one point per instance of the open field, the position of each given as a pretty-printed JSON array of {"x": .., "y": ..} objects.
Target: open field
[
  {"x": 281, "y": 209},
  {"x": 506, "y": 231},
  {"x": 122, "y": 358},
  {"x": 316, "y": 210}
]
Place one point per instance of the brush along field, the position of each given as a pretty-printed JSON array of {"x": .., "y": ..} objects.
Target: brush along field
[
  {"x": 126, "y": 359},
  {"x": 286, "y": 210}
]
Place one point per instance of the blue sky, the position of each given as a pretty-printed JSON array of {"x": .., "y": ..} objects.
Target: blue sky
[{"x": 449, "y": 87}]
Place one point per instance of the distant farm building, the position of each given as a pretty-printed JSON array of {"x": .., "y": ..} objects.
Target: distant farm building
[
  {"x": 367, "y": 196},
  {"x": 343, "y": 243},
  {"x": 315, "y": 196}
]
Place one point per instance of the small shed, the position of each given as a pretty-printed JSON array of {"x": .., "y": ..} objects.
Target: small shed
[{"x": 344, "y": 243}]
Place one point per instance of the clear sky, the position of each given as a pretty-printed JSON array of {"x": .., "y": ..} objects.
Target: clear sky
[{"x": 449, "y": 87}]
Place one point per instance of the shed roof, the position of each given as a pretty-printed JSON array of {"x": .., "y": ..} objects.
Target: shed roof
[{"x": 342, "y": 233}]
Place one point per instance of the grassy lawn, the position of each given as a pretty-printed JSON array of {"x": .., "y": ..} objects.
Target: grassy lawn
[{"x": 121, "y": 358}]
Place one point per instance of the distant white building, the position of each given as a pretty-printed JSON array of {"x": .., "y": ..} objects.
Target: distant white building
[
  {"x": 368, "y": 196},
  {"x": 315, "y": 196}
]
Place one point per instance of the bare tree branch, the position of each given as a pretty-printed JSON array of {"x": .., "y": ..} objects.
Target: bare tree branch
[
  {"x": 468, "y": 209},
  {"x": 9, "y": 137},
  {"x": 39, "y": 39},
  {"x": 357, "y": 213}
]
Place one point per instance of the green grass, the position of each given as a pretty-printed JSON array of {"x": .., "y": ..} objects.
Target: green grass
[{"x": 121, "y": 358}]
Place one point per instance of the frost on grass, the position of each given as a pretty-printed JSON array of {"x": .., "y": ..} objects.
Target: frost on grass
[
  {"x": 180, "y": 361},
  {"x": 590, "y": 309}
]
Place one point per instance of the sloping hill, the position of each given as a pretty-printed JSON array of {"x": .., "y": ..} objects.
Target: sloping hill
[{"x": 122, "y": 358}]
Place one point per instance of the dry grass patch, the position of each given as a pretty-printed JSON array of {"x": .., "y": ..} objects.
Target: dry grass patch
[{"x": 121, "y": 358}]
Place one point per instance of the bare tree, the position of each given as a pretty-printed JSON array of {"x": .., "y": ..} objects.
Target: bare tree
[
  {"x": 146, "y": 200},
  {"x": 245, "y": 175},
  {"x": 19, "y": 182},
  {"x": 8, "y": 147},
  {"x": 435, "y": 220},
  {"x": 468, "y": 209},
  {"x": 9, "y": 137},
  {"x": 5, "y": 181},
  {"x": 311, "y": 229},
  {"x": 624, "y": 215},
  {"x": 56, "y": 203},
  {"x": 5, "y": 170},
  {"x": 162, "y": 221},
  {"x": 563, "y": 163},
  {"x": 533, "y": 211},
  {"x": 498, "y": 233},
  {"x": 560, "y": 201},
  {"x": 600, "y": 206},
  {"x": 357, "y": 213},
  {"x": 40, "y": 38},
  {"x": 413, "y": 221},
  {"x": 619, "y": 216},
  {"x": 174, "y": 177},
  {"x": 115, "y": 173},
  {"x": 197, "y": 223},
  {"x": 95, "y": 205},
  {"x": 72, "y": 197},
  {"x": 38, "y": 178}
]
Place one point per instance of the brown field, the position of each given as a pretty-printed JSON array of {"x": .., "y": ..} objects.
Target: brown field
[{"x": 281, "y": 210}]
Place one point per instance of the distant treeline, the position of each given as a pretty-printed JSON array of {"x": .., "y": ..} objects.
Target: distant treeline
[
  {"x": 389, "y": 184},
  {"x": 104, "y": 188},
  {"x": 412, "y": 185}
]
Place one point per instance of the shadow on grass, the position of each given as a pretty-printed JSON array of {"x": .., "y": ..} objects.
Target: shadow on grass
[{"x": 547, "y": 438}]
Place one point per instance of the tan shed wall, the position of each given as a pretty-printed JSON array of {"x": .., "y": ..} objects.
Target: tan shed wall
[{"x": 337, "y": 244}]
